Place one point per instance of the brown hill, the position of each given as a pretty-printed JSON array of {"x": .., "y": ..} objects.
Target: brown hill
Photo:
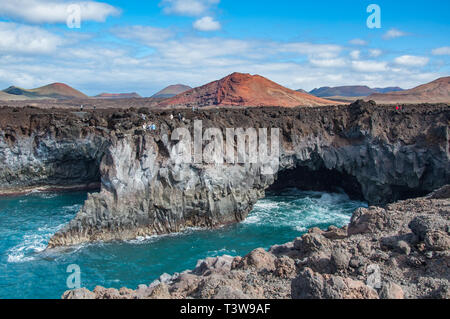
[
  {"x": 51, "y": 91},
  {"x": 437, "y": 91},
  {"x": 11, "y": 97},
  {"x": 240, "y": 89},
  {"x": 171, "y": 91},
  {"x": 133, "y": 95}
]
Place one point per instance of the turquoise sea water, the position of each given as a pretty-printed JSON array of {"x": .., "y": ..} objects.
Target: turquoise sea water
[{"x": 28, "y": 222}]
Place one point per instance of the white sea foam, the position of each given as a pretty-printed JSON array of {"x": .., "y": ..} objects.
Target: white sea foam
[
  {"x": 72, "y": 208},
  {"x": 267, "y": 205},
  {"x": 47, "y": 195},
  {"x": 253, "y": 219},
  {"x": 221, "y": 252},
  {"x": 28, "y": 248},
  {"x": 41, "y": 194},
  {"x": 152, "y": 238},
  {"x": 301, "y": 210},
  {"x": 31, "y": 245}
]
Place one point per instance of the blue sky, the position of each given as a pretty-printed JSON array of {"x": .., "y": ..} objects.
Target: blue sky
[{"x": 143, "y": 46}]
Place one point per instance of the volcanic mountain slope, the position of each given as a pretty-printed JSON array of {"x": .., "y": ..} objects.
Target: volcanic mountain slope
[
  {"x": 171, "y": 91},
  {"x": 351, "y": 91},
  {"x": 133, "y": 95},
  {"x": 51, "y": 91},
  {"x": 10, "y": 97},
  {"x": 437, "y": 91},
  {"x": 240, "y": 89}
]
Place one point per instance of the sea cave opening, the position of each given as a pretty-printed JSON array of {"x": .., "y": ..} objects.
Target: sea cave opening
[
  {"x": 77, "y": 172},
  {"x": 318, "y": 179}
]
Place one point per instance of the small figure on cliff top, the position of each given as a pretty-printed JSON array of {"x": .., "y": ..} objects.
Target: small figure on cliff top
[{"x": 149, "y": 127}]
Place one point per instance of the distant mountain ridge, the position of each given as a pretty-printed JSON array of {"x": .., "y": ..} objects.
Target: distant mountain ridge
[
  {"x": 437, "y": 91},
  {"x": 51, "y": 91},
  {"x": 171, "y": 91},
  {"x": 240, "y": 89},
  {"x": 132, "y": 95},
  {"x": 351, "y": 91}
]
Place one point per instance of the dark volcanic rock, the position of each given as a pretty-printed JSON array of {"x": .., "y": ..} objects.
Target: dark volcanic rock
[
  {"x": 360, "y": 266},
  {"x": 372, "y": 152}
]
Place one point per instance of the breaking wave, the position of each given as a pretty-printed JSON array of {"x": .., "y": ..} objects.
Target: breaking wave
[{"x": 302, "y": 210}]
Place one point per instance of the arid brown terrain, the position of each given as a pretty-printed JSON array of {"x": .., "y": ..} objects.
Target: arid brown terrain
[
  {"x": 236, "y": 90},
  {"x": 437, "y": 91},
  {"x": 240, "y": 89},
  {"x": 54, "y": 90}
]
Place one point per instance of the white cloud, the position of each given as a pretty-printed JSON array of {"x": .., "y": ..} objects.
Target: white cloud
[
  {"x": 206, "y": 24},
  {"x": 358, "y": 42},
  {"x": 156, "y": 57},
  {"x": 322, "y": 51},
  {"x": 411, "y": 60},
  {"x": 188, "y": 7},
  {"x": 394, "y": 33},
  {"x": 200, "y": 51},
  {"x": 441, "y": 51},
  {"x": 355, "y": 54},
  {"x": 328, "y": 63},
  {"x": 375, "y": 53},
  {"x": 90, "y": 69},
  {"x": 27, "y": 39},
  {"x": 144, "y": 34},
  {"x": 52, "y": 11},
  {"x": 191, "y": 50},
  {"x": 369, "y": 66}
]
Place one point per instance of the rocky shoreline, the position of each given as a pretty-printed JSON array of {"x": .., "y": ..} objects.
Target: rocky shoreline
[
  {"x": 401, "y": 251},
  {"x": 375, "y": 153}
]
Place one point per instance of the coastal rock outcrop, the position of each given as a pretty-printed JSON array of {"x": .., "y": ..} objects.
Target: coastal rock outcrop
[
  {"x": 371, "y": 152},
  {"x": 44, "y": 151},
  {"x": 362, "y": 265}
]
